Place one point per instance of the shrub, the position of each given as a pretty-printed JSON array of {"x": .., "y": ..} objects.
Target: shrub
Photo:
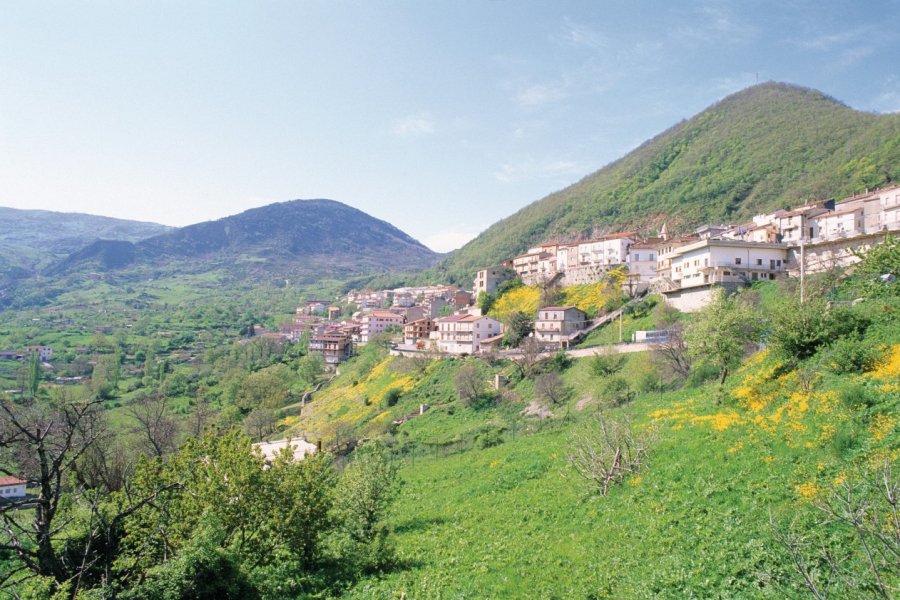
[
  {"x": 607, "y": 363},
  {"x": 490, "y": 438},
  {"x": 616, "y": 391},
  {"x": 851, "y": 354},
  {"x": 391, "y": 397},
  {"x": 605, "y": 451},
  {"x": 856, "y": 396}
]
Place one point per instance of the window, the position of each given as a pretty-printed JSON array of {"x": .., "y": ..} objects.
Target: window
[
  {"x": 737, "y": 260},
  {"x": 759, "y": 261}
]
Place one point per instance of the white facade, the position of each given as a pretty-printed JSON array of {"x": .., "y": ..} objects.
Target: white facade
[
  {"x": 556, "y": 324},
  {"x": 376, "y": 322},
  {"x": 11, "y": 488},
  {"x": 463, "y": 334},
  {"x": 719, "y": 261},
  {"x": 846, "y": 222},
  {"x": 607, "y": 251},
  {"x": 641, "y": 262}
]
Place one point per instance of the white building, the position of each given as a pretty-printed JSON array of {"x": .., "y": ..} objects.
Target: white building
[
  {"x": 11, "y": 488},
  {"x": 298, "y": 447},
  {"x": 376, "y": 322},
  {"x": 695, "y": 268},
  {"x": 555, "y": 325},
  {"x": 463, "y": 334}
]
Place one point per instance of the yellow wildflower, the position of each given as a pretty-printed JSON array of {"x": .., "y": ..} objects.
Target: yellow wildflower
[{"x": 807, "y": 490}]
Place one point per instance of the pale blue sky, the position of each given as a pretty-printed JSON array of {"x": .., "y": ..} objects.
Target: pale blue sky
[{"x": 439, "y": 116}]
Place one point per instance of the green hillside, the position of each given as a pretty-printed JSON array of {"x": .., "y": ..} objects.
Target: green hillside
[{"x": 769, "y": 146}]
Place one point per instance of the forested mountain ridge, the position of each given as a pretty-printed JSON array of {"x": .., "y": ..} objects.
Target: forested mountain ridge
[
  {"x": 317, "y": 237},
  {"x": 30, "y": 239},
  {"x": 769, "y": 146}
]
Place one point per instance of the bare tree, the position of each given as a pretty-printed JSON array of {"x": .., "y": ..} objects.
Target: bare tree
[
  {"x": 531, "y": 352},
  {"x": 550, "y": 388},
  {"x": 45, "y": 441},
  {"x": 154, "y": 424},
  {"x": 672, "y": 354},
  {"x": 201, "y": 417},
  {"x": 469, "y": 383},
  {"x": 870, "y": 509},
  {"x": 605, "y": 451}
]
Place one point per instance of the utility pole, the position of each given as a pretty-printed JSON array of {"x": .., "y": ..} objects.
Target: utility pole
[{"x": 620, "y": 325}]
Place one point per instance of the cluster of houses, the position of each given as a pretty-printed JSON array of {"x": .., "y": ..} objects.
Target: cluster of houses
[
  {"x": 683, "y": 269},
  {"x": 813, "y": 238},
  {"x": 45, "y": 353}
]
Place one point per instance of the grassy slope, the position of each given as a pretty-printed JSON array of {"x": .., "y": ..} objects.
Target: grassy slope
[
  {"x": 766, "y": 147},
  {"x": 513, "y": 520}
]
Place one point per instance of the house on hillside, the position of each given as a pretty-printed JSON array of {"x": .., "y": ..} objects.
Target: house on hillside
[
  {"x": 463, "y": 334},
  {"x": 334, "y": 345},
  {"x": 694, "y": 269},
  {"x": 377, "y": 321},
  {"x": 45, "y": 353},
  {"x": 555, "y": 325},
  {"x": 418, "y": 330},
  {"x": 12, "y": 488},
  {"x": 487, "y": 280}
]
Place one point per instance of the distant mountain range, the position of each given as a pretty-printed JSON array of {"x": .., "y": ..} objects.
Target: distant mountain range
[
  {"x": 31, "y": 239},
  {"x": 297, "y": 239},
  {"x": 769, "y": 146}
]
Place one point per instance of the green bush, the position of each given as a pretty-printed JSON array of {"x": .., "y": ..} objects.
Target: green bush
[
  {"x": 616, "y": 391},
  {"x": 607, "y": 363},
  {"x": 856, "y": 396},
  {"x": 490, "y": 438},
  {"x": 851, "y": 354},
  {"x": 391, "y": 397}
]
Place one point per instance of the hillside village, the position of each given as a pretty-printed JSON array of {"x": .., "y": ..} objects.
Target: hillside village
[{"x": 683, "y": 268}]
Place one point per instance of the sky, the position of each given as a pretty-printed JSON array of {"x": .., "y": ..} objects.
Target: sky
[{"x": 439, "y": 116}]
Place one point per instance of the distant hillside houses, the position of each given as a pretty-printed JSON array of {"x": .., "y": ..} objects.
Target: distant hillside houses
[{"x": 814, "y": 237}]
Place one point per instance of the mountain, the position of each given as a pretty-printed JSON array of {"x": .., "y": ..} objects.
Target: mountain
[
  {"x": 30, "y": 239},
  {"x": 304, "y": 239},
  {"x": 769, "y": 146}
]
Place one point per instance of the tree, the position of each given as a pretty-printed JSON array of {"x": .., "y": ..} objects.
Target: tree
[
  {"x": 46, "y": 441},
  {"x": 311, "y": 367},
  {"x": 105, "y": 377},
  {"x": 550, "y": 388},
  {"x": 365, "y": 491},
  {"x": 32, "y": 375},
  {"x": 607, "y": 361},
  {"x": 517, "y": 327},
  {"x": 154, "y": 424},
  {"x": 722, "y": 331},
  {"x": 269, "y": 387},
  {"x": 866, "y": 509},
  {"x": 530, "y": 353},
  {"x": 469, "y": 383},
  {"x": 605, "y": 451},
  {"x": 260, "y": 423},
  {"x": 673, "y": 354},
  {"x": 882, "y": 259}
]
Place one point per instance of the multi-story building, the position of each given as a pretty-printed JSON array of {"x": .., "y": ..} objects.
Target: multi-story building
[
  {"x": 463, "y": 334},
  {"x": 695, "y": 268},
  {"x": 334, "y": 345},
  {"x": 487, "y": 280},
  {"x": 376, "y": 322},
  {"x": 555, "y": 325},
  {"x": 418, "y": 330}
]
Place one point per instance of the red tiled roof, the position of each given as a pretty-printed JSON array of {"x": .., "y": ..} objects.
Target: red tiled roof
[{"x": 7, "y": 480}]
